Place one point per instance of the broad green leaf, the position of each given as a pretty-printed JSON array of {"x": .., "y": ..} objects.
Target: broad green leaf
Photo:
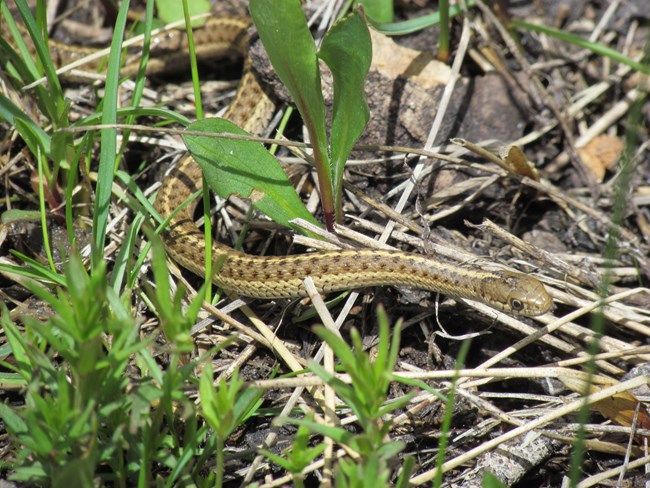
[
  {"x": 30, "y": 473},
  {"x": 246, "y": 169},
  {"x": 172, "y": 10},
  {"x": 347, "y": 50},
  {"x": 284, "y": 32},
  {"x": 378, "y": 10}
]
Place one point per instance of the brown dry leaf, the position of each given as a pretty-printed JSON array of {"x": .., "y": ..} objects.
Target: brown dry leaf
[
  {"x": 620, "y": 409},
  {"x": 601, "y": 154},
  {"x": 517, "y": 162}
]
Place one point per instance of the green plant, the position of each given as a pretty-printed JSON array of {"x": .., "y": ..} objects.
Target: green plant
[
  {"x": 366, "y": 395},
  {"x": 292, "y": 51},
  {"x": 76, "y": 398},
  {"x": 84, "y": 418},
  {"x": 224, "y": 408},
  {"x": 298, "y": 456}
]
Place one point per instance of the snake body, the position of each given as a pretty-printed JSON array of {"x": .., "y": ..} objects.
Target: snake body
[{"x": 282, "y": 277}]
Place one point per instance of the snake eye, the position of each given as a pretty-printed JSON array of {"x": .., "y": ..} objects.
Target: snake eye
[{"x": 516, "y": 305}]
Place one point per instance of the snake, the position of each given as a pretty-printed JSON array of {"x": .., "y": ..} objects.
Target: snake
[{"x": 277, "y": 277}]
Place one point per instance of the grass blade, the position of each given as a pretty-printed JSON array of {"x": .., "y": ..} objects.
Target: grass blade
[
  {"x": 108, "y": 136},
  {"x": 595, "y": 47}
]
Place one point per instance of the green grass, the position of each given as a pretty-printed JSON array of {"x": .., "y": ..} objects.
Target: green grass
[{"x": 97, "y": 405}]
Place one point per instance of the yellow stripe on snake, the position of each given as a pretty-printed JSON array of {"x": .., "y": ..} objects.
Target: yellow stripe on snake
[{"x": 282, "y": 277}]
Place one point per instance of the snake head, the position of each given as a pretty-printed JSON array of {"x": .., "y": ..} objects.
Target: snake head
[{"x": 524, "y": 295}]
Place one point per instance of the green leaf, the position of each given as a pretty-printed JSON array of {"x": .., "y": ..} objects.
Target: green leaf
[
  {"x": 282, "y": 28},
  {"x": 449, "y": 412},
  {"x": 291, "y": 49},
  {"x": 342, "y": 389},
  {"x": 395, "y": 404},
  {"x": 31, "y": 474},
  {"x": 13, "y": 422},
  {"x": 391, "y": 449},
  {"x": 16, "y": 215},
  {"x": 383, "y": 360},
  {"x": 108, "y": 137},
  {"x": 9, "y": 380},
  {"x": 277, "y": 459},
  {"x": 247, "y": 404},
  {"x": 172, "y": 10},
  {"x": 31, "y": 133},
  {"x": 347, "y": 50},
  {"x": 246, "y": 169},
  {"x": 491, "y": 481},
  {"x": 338, "y": 434},
  {"x": 228, "y": 404},
  {"x": 417, "y": 23},
  {"x": 340, "y": 348},
  {"x": 378, "y": 10},
  {"x": 33, "y": 269},
  {"x": 77, "y": 472},
  {"x": 207, "y": 395},
  {"x": 13, "y": 45},
  {"x": 595, "y": 47},
  {"x": 167, "y": 115},
  {"x": 299, "y": 455},
  {"x": 50, "y": 97}
]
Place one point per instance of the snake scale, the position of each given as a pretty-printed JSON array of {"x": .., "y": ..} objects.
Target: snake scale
[{"x": 282, "y": 277}]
